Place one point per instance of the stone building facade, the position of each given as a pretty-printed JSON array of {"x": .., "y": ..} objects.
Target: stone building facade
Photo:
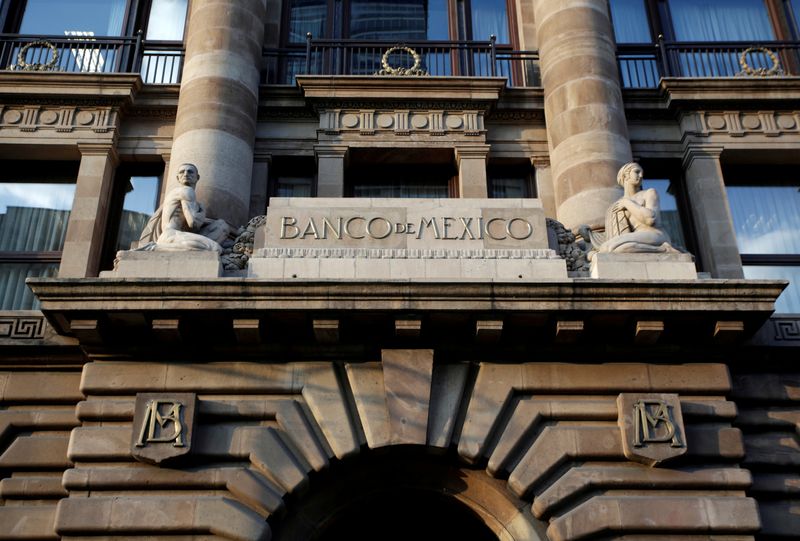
[{"x": 404, "y": 336}]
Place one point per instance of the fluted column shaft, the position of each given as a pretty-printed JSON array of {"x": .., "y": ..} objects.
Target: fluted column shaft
[
  {"x": 216, "y": 122},
  {"x": 586, "y": 128}
]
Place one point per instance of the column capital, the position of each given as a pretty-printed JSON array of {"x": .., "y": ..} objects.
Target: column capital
[
  {"x": 693, "y": 152},
  {"x": 473, "y": 151},
  {"x": 540, "y": 162},
  {"x": 330, "y": 151},
  {"x": 100, "y": 149}
]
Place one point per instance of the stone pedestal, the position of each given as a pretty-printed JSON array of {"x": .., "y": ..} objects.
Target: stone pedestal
[
  {"x": 189, "y": 264},
  {"x": 643, "y": 267}
]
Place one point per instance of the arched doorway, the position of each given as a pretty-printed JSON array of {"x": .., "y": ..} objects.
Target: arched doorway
[{"x": 405, "y": 493}]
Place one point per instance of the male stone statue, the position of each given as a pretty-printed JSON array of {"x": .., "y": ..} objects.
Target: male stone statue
[
  {"x": 181, "y": 223},
  {"x": 633, "y": 222}
]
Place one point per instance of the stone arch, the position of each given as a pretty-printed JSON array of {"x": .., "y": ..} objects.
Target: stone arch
[
  {"x": 472, "y": 504},
  {"x": 542, "y": 433}
]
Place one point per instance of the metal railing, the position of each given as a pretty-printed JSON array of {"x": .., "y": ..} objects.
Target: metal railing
[
  {"x": 436, "y": 58},
  {"x": 158, "y": 62},
  {"x": 643, "y": 65}
]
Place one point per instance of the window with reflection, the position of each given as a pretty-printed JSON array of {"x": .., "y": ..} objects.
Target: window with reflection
[
  {"x": 391, "y": 21},
  {"x": 138, "y": 205},
  {"x": 510, "y": 179},
  {"x": 702, "y": 39},
  {"x": 98, "y": 36},
  {"x": 35, "y": 204},
  {"x": 292, "y": 176},
  {"x": 766, "y": 217},
  {"x": 405, "y": 173}
]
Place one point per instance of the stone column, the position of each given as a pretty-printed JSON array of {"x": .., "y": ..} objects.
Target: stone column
[
  {"x": 544, "y": 185},
  {"x": 471, "y": 162},
  {"x": 216, "y": 122},
  {"x": 330, "y": 170},
  {"x": 711, "y": 214},
  {"x": 83, "y": 244},
  {"x": 586, "y": 128}
]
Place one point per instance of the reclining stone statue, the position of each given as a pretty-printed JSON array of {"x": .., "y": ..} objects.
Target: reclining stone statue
[
  {"x": 633, "y": 222},
  {"x": 180, "y": 223}
]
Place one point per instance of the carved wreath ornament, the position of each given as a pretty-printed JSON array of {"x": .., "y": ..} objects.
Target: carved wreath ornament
[
  {"x": 413, "y": 70},
  {"x": 24, "y": 66},
  {"x": 759, "y": 72}
]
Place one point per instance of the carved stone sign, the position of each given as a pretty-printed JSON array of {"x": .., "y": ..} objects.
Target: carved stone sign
[
  {"x": 163, "y": 425},
  {"x": 459, "y": 224},
  {"x": 652, "y": 427}
]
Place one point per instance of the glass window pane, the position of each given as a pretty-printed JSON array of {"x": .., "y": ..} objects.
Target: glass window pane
[
  {"x": 14, "y": 294},
  {"x": 33, "y": 216},
  {"x": 670, "y": 216},
  {"x": 62, "y": 17},
  {"x": 630, "y": 21},
  {"x": 720, "y": 20},
  {"x": 307, "y": 16},
  {"x": 388, "y": 20},
  {"x": 293, "y": 187},
  {"x": 789, "y": 301},
  {"x": 489, "y": 17},
  {"x": 139, "y": 204},
  {"x": 167, "y": 20},
  {"x": 796, "y": 12},
  {"x": 402, "y": 190},
  {"x": 766, "y": 218}
]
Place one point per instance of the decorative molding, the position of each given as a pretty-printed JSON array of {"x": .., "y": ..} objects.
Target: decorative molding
[
  {"x": 515, "y": 115},
  {"x": 786, "y": 329},
  {"x": 369, "y": 122},
  {"x": 743, "y": 123},
  {"x": 389, "y": 253},
  {"x": 22, "y": 328},
  {"x": 32, "y": 118}
]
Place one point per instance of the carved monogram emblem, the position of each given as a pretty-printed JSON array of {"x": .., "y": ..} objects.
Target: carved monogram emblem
[
  {"x": 162, "y": 426},
  {"x": 653, "y": 424},
  {"x": 156, "y": 424},
  {"x": 652, "y": 427}
]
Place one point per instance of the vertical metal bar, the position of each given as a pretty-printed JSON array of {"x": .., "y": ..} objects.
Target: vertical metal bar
[
  {"x": 308, "y": 53},
  {"x": 493, "y": 54},
  {"x": 662, "y": 55}
]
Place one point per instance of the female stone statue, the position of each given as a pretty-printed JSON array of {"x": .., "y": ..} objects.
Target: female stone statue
[{"x": 633, "y": 222}]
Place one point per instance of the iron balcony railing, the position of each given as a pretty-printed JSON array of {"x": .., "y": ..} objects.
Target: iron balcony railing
[
  {"x": 367, "y": 57},
  {"x": 158, "y": 62},
  {"x": 643, "y": 65}
]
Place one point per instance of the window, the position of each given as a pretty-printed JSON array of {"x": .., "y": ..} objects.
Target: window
[
  {"x": 292, "y": 176},
  {"x": 393, "y": 22},
  {"x": 510, "y": 180},
  {"x": 702, "y": 39},
  {"x": 97, "y": 36},
  {"x": 665, "y": 176},
  {"x": 137, "y": 190},
  {"x": 35, "y": 203},
  {"x": 402, "y": 173},
  {"x": 766, "y": 217},
  {"x": 162, "y": 60}
]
